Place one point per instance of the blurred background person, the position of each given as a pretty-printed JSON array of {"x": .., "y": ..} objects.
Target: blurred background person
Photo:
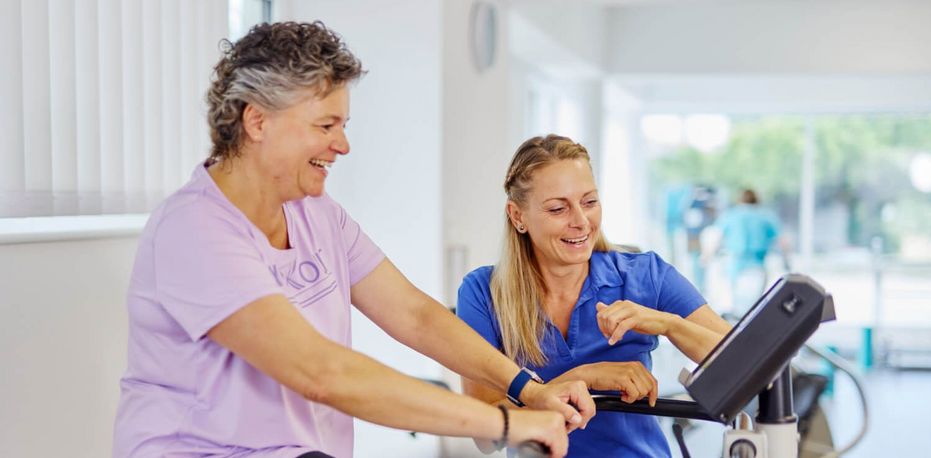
[{"x": 747, "y": 233}]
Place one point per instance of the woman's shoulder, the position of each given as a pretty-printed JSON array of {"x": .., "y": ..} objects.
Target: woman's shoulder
[
  {"x": 321, "y": 203},
  {"x": 192, "y": 210},
  {"x": 625, "y": 260},
  {"x": 321, "y": 210},
  {"x": 480, "y": 277},
  {"x": 474, "y": 297},
  {"x": 642, "y": 267}
]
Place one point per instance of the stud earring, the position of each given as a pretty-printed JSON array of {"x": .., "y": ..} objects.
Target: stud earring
[{"x": 520, "y": 228}]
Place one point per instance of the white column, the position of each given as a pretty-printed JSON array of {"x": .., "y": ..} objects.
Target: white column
[
  {"x": 806, "y": 216},
  {"x": 637, "y": 174}
]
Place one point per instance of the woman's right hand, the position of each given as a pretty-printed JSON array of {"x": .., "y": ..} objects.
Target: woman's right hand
[
  {"x": 631, "y": 378},
  {"x": 544, "y": 426}
]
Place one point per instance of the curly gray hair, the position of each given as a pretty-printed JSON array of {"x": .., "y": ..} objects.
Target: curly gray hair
[{"x": 268, "y": 67}]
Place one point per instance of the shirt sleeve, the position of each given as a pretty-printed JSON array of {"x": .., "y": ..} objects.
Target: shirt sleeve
[
  {"x": 207, "y": 267},
  {"x": 474, "y": 306},
  {"x": 675, "y": 294},
  {"x": 361, "y": 252}
]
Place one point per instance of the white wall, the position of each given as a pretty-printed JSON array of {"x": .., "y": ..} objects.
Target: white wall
[
  {"x": 476, "y": 138},
  {"x": 568, "y": 37},
  {"x": 826, "y": 37},
  {"x": 63, "y": 331},
  {"x": 772, "y": 93}
]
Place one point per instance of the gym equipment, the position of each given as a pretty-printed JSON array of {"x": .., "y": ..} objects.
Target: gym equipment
[{"x": 752, "y": 360}]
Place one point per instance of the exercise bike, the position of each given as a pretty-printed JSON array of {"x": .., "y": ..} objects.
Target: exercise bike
[{"x": 752, "y": 360}]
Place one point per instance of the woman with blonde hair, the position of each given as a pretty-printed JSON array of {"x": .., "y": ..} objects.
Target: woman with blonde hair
[{"x": 565, "y": 305}]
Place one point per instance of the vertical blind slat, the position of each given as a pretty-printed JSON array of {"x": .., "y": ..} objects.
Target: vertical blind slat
[
  {"x": 151, "y": 95},
  {"x": 37, "y": 146},
  {"x": 87, "y": 97},
  {"x": 218, "y": 31},
  {"x": 170, "y": 92},
  {"x": 62, "y": 71},
  {"x": 189, "y": 99},
  {"x": 12, "y": 171},
  {"x": 131, "y": 62},
  {"x": 110, "y": 88},
  {"x": 207, "y": 38},
  {"x": 104, "y": 108},
  {"x": 202, "y": 51}
]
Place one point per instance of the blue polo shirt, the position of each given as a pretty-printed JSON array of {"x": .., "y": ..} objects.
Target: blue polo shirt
[{"x": 642, "y": 278}]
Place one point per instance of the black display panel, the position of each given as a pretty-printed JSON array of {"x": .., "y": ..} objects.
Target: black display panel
[{"x": 759, "y": 346}]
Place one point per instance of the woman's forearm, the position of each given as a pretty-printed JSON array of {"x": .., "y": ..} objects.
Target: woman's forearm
[
  {"x": 692, "y": 339},
  {"x": 273, "y": 337},
  {"x": 362, "y": 387},
  {"x": 417, "y": 320},
  {"x": 446, "y": 339},
  {"x": 581, "y": 373}
]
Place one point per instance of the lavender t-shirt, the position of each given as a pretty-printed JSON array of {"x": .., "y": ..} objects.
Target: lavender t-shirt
[{"x": 200, "y": 260}]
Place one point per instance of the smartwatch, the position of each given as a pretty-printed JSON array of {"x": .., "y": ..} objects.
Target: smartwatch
[{"x": 517, "y": 385}]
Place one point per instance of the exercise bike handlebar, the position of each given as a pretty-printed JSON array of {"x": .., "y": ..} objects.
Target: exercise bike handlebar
[{"x": 664, "y": 407}]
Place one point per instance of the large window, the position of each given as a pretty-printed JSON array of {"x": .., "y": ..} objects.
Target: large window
[{"x": 852, "y": 194}]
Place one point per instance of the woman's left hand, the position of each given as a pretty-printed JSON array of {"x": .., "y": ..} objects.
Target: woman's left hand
[
  {"x": 570, "y": 398},
  {"x": 622, "y": 316}
]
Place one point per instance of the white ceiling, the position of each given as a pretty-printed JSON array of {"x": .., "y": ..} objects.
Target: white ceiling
[{"x": 738, "y": 55}]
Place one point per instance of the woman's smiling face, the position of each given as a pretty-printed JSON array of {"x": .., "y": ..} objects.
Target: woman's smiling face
[
  {"x": 299, "y": 143},
  {"x": 562, "y": 214}
]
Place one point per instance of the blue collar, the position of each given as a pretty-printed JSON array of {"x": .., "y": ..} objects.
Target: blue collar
[{"x": 602, "y": 272}]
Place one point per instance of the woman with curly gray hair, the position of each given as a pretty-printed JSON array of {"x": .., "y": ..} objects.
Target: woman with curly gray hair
[{"x": 239, "y": 298}]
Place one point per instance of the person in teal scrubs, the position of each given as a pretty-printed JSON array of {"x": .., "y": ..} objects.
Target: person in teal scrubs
[
  {"x": 566, "y": 305},
  {"x": 748, "y": 234}
]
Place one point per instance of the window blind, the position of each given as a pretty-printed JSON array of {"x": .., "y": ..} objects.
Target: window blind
[{"x": 102, "y": 101}]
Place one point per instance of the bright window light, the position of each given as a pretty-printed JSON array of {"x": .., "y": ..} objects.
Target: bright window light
[
  {"x": 237, "y": 29},
  {"x": 920, "y": 172},
  {"x": 707, "y": 132},
  {"x": 243, "y": 14},
  {"x": 662, "y": 129},
  {"x": 567, "y": 119}
]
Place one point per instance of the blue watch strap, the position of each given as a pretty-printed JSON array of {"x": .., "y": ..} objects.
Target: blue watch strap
[{"x": 517, "y": 385}]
